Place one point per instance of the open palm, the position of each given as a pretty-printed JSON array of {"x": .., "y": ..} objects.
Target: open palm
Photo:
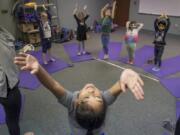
[
  {"x": 131, "y": 80},
  {"x": 27, "y": 62}
]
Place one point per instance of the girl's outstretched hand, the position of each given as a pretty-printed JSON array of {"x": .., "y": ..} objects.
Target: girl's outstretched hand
[
  {"x": 131, "y": 80},
  {"x": 27, "y": 62}
]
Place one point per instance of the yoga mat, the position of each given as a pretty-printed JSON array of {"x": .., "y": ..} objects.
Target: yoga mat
[
  {"x": 141, "y": 55},
  {"x": 72, "y": 50},
  {"x": 172, "y": 85},
  {"x": 2, "y": 113},
  {"x": 51, "y": 67},
  {"x": 177, "y": 108},
  {"x": 114, "y": 51},
  {"x": 169, "y": 66},
  {"x": 28, "y": 81}
]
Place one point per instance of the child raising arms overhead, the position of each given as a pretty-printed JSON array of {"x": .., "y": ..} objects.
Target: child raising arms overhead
[
  {"x": 81, "y": 17},
  {"x": 87, "y": 107},
  {"x": 161, "y": 26},
  {"x": 44, "y": 21},
  {"x": 107, "y": 16},
  {"x": 131, "y": 38}
]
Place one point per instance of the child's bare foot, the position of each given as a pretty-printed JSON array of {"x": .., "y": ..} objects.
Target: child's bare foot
[{"x": 130, "y": 62}]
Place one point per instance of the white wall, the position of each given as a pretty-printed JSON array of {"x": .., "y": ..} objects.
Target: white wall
[
  {"x": 156, "y": 7},
  {"x": 148, "y": 20}
]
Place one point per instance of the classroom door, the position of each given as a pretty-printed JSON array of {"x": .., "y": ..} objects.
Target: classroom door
[{"x": 122, "y": 12}]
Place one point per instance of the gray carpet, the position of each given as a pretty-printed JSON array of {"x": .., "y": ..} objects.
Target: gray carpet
[{"x": 44, "y": 116}]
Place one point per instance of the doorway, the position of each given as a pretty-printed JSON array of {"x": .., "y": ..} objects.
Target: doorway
[{"x": 122, "y": 12}]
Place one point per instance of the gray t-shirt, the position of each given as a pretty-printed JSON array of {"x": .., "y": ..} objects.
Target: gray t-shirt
[{"x": 68, "y": 101}]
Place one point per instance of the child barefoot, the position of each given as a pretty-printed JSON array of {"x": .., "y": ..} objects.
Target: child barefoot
[
  {"x": 107, "y": 16},
  {"x": 131, "y": 38},
  {"x": 45, "y": 33},
  {"x": 81, "y": 17}
]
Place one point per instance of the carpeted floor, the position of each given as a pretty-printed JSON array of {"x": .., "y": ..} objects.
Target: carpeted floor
[{"x": 44, "y": 116}]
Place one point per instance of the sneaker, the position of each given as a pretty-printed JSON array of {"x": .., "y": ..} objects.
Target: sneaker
[
  {"x": 45, "y": 62},
  {"x": 52, "y": 60},
  {"x": 78, "y": 54},
  {"x": 106, "y": 56},
  {"x": 29, "y": 133},
  {"x": 156, "y": 69},
  {"x": 84, "y": 52}
]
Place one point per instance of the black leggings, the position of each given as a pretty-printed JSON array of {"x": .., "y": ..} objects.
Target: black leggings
[
  {"x": 158, "y": 52},
  {"x": 12, "y": 106},
  {"x": 177, "y": 130}
]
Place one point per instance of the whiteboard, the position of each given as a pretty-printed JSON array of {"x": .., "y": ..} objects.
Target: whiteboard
[{"x": 157, "y": 7}]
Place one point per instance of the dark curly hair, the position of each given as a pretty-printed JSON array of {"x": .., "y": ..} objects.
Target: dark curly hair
[
  {"x": 132, "y": 25},
  {"x": 88, "y": 119}
]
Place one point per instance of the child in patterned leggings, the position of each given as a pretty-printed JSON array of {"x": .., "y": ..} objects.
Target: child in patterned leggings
[{"x": 131, "y": 38}]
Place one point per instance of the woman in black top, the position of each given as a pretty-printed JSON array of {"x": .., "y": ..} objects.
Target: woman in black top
[{"x": 81, "y": 17}]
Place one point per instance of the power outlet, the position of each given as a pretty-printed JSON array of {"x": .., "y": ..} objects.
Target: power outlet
[
  {"x": 4, "y": 11},
  {"x": 176, "y": 25}
]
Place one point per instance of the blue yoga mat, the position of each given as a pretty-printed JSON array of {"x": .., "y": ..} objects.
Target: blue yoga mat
[
  {"x": 30, "y": 81},
  {"x": 141, "y": 55},
  {"x": 72, "y": 50},
  {"x": 169, "y": 66},
  {"x": 172, "y": 85},
  {"x": 51, "y": 67},
  {"x": 114, "y": 51},
  {"x": 2, "y": 113}
]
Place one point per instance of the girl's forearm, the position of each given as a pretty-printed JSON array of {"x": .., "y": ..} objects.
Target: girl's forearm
[
  {"x": 115, "y": 90},
  {"x": 113, "y": 10},
  {"x": 49, "y": 82}
]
